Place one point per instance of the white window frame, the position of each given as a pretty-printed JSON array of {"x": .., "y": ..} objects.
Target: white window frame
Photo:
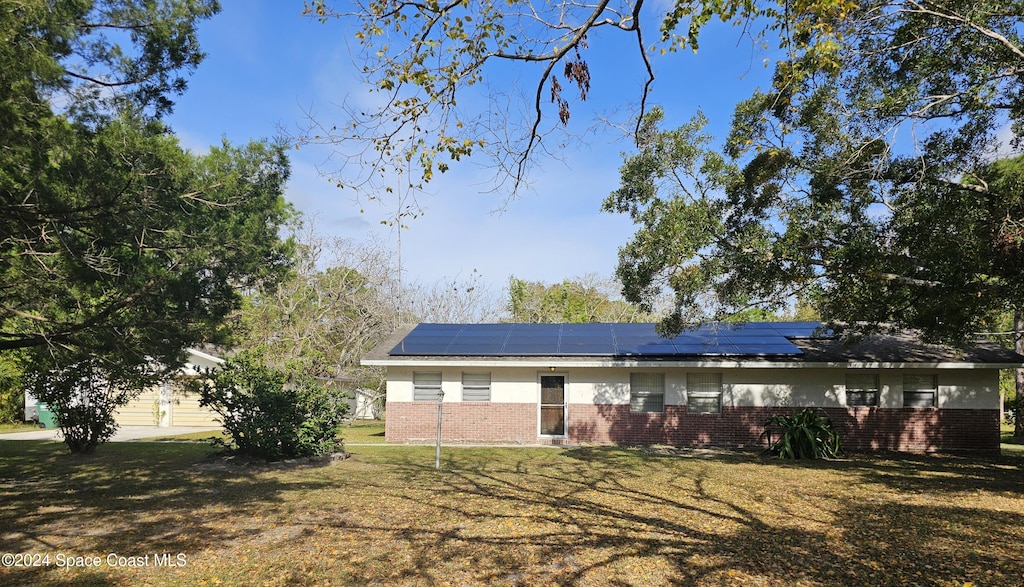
[
  {"x": 474, "y": 389},
  {"x": 424, "y": 387},
  {"x": 854, "y": 387},
  {"x": 932, "y": 387},
  {"x": 646, "y": 389},
  {"x": 697, "y": 387}
]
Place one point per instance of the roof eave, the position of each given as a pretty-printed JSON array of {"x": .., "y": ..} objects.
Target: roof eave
[
  {"x": 207, "y": 356},
  {"x": 724, "y": 363}
]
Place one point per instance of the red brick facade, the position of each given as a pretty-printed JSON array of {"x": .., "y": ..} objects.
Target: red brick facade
[
  {"x": 905, "y": 429},
  {"x": 462, "y": 421}
]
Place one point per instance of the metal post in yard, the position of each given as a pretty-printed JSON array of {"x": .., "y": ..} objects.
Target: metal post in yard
[{"x": 437, "y": 452}]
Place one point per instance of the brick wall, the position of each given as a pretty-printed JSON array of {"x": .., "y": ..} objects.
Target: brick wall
[
  {"x": 917, "y": 429},
  {"x": 462, "y": 422},
  {"x": 907, "y": 429}
]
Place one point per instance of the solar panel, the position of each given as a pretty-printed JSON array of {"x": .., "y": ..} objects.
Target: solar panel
[
  {"x": 537, "y": 329},
  {"x": 649, "y": 350},
  {"x": 705, "y": 348},
  {"x": 415, "y": 348},
  {"x": 688, "y": 339},
  {"x": 483, "y": 347},
  {"x": 535, "y": 341},
  {"x": 586, "y": 348},
  {"x": 531, "y": 339},
  {"x": 595, "y": 329},
  {"x": 747, "y": 326},
  {"x": 530, "y": 350},
  {"x": 633, "y": 340}
]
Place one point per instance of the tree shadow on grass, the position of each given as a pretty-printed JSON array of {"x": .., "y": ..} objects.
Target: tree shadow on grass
[
  {"x": 937, "y": 473},
  {"x": 131, "y": 499},
  {"x": 609, "y": 516},
  {"x": 594, "y": 516}
]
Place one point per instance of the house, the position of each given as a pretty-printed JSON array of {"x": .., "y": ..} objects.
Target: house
[
  {"x": 163, "y": 405},
  {"x": 168, "y": 404},
  {"x": 363, "y": 403},
  {"x": 714, "y": 385}
]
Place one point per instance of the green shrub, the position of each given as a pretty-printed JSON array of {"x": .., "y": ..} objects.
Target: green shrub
[
  {"x": 273, "y": 413},
  {"x": 804, "y": 435},
  {"x": 12, "y": 391},
  {"x": 12, "y": 403},
  {"x": 84, "y": 397}
]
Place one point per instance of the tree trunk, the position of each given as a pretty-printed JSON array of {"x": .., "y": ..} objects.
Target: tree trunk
[{"x": 1018, "y": 402}]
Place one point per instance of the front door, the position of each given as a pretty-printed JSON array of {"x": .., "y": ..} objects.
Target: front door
[{"x": 552, "y": 405}]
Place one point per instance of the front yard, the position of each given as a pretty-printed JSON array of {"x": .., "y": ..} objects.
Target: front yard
[{"x": 514, "y": 516}]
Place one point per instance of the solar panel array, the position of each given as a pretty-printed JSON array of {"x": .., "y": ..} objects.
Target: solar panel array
[{"x": 611, "y": 340}]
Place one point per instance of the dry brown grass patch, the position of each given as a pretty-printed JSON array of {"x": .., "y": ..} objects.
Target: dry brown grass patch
[{"x": 590, "y": 516}]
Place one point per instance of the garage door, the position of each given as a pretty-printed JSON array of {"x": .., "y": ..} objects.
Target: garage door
[
  {"x": 141, "y": 411},
  {"x": 187, "y": 412}
]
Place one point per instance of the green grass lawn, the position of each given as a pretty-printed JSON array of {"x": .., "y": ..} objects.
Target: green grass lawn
[
  {"x": 510, "y": 516},
  {"x": 364, "y": 432},
  {"x": 1009, "y": 446},
  {"x": 18, "y": 427},
  {"x": 358, "y": 432},
  {"x": 190, "y": 437}
]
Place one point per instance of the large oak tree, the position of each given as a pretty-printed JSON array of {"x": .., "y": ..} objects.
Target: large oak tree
[
  {"x": 861, "y": 177},
  {"x": 864, "y": 178}
]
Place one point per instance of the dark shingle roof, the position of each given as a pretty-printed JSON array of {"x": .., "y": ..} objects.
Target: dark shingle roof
[{"x": 901, "y": 348}]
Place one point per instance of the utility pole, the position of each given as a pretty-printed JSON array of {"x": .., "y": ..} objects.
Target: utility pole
[{"x": 440, "y": 407}]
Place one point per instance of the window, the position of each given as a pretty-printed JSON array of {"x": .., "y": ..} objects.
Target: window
[
  {"x": 920, "y": 391},
  {"x": 862, "y": 390},
  {"x": 476, "y": 387},
  {"x": 704, "y": 393},
  {"x": 647, "y": 392},
  {"x": 426, "y": 386}
]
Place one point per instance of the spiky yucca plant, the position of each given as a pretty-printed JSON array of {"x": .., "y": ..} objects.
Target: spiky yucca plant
[{"x": 804, "y": 435}]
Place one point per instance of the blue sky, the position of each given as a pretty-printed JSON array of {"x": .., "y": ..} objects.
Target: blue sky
[{"x": 267, "y": 65}]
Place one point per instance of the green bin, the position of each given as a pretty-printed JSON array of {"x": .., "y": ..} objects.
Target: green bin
[{"x": 47, "y": 419}]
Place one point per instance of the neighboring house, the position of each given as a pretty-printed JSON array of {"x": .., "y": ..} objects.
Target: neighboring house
[
  {"x": 168, "y": 404},
  {"x": 163, "y": 405},
  {"x": 717, "y": 385},
  {"x": 363, "y": 403}
]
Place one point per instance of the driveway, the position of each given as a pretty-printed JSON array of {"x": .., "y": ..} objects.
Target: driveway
[{"x": 123, "y": 434}]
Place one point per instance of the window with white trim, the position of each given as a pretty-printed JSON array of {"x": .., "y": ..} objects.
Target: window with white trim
[
  {"x": 920, "y": 391},
  {"x": 647, "y": 392},
  {"x": 704, "y": 393},
  {"x": 426, "y": 386},
  {"x": 476, "y": 387},
  {"x": 862, "y": 389}
]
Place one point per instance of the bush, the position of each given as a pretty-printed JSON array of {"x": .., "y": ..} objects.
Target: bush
[
  {"x": 12, "y": 403},
  {"x": 804, "y": 435},
  {"x": 12, "y": 392},
  {"x": 83, "y": 397},
  {"x": 272, "y": 413}
]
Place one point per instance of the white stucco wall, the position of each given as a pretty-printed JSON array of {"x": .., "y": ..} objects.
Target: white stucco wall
[{"x": 820, "y": 387}]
